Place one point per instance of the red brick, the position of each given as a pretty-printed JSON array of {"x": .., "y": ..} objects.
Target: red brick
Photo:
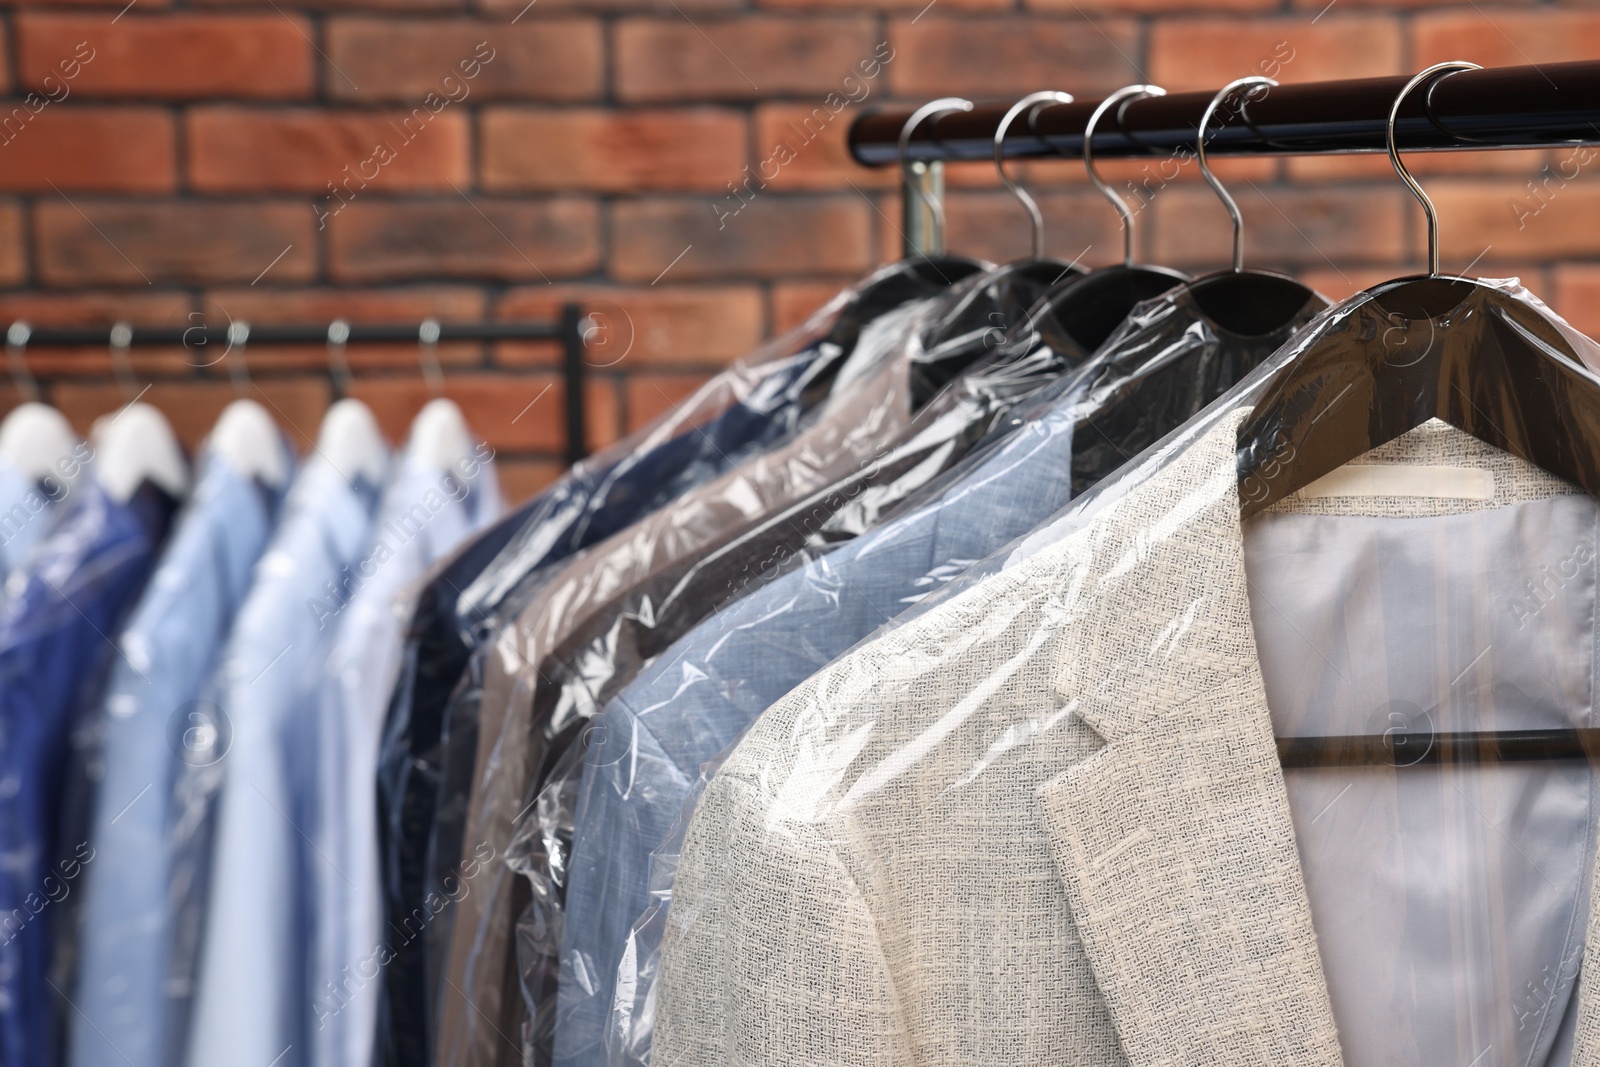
[
  {"x": 752, "y": 57},
  {"x": 793, "y": 302},
  {"x": 1132, "y": 175},
  {"x": 86, "y": 149},
  {"x": 172, "y": 57},
  {"x": 1011, "y": 56},
  {"x": 1315, "y": 6},
  {"x": 333, "y": 154},
  {"x": 102, "y": 308},
  {"x": 805, "y": 146},
  {"x": 514, "y": 413},
  {"x": 912, "y": 6},
  {"x": 1508, "y": 221},
  {"x": 259, "y": 305},
  {"x": 600, "y": 7},
  {"x": 1207, "y": 53},
  {"x": 1576, "y": 295},
  {"x": 650, "y": 396},
  {"x": 1505, "y": 38},
  {"x": 375, "y": 240},
  {"x": 664, "y": 325},
  {"x": 193, "y": 406},
  {"x": 1338, "y": 282},
  {"x": 491, "y": 402},
  {"x": 603, "y": 410},
  {"x": 590, "y": 149},
  {"x": 13, "y": 258},
  {"x": 1146, "y": 7},
  {"x": 994, "y": 226},
  {"x": 204, "y": 242},
  {"x": 5, "y": 61},
  {"x": 1282, "y": 227},
  {"x": 340, "y": 6},
  {"x": 535, "y": 59},
  {"x": 770, "y": 237},
  {"x": 1378, "y": 168},
  {"x": 522, "y": 479}
]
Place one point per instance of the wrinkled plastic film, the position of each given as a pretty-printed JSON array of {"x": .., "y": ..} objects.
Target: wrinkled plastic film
[
  {"x": 755, "y": 401},
  {"x": 627, "y": 628},
  {"x": 1058, "y": 784},
  {"x": 698, "y": 696},
  {"x": 860, "y": 420}
]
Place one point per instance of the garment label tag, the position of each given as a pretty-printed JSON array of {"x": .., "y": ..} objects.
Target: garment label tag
[{"x": 1456, "y": 483}]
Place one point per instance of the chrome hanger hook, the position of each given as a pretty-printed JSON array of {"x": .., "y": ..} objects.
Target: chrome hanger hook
[
  {"x": 1452, "y": 67},
  {"x": 17, "y": 335},
  {"x": 428, "y": 340},
  {"x": 1028, "y": 103},
  {"x": 121, "y": 366},
  {"x": 1130, "y": 92},
  {"x": 1227, "y": 91},
  {"x": 942, "y": 106},
  {"x": 338, "y": 364},
  {"x": 238, "y": 369}
]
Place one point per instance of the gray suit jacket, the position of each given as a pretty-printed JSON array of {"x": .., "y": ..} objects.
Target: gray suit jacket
[{"x": 1044, "y": 823}]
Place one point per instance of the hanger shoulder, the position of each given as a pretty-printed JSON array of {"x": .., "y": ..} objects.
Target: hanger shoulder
[
  {"x": 247, "y": 438},
  {"x": 33, "y": 439},
  {"x": 1492, "y": 366},
  {"x": 137, "y": 445}
]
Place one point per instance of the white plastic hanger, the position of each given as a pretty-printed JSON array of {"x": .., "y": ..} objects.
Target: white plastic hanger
[
  {"x": 247, "y": 438},
  {"x": 34, "y": 438},
  {"x": 134, "y": 446},
  {"x": 439, "y": 434},
  {"x": 350, "y": 440}
]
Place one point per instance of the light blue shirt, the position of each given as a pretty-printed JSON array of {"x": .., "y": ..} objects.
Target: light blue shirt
[
  {"x": 426, "y": 512},
  {"x": 27, "y": 511},
  {"x": 169, "y": 651},
  {"x": 251, "y": 1000},
  {"x": 647, "y": 747}
]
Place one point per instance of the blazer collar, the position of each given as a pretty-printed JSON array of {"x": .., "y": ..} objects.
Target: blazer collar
[{"x": 1174, "y": 841}]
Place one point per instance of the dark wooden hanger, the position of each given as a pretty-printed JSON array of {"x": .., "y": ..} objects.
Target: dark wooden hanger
[
  {"x": 1428, "y": 347},
  {"x": 1245, "y": 302}
]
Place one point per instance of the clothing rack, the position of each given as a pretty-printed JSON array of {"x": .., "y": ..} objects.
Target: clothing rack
[
  {"x": 569, "y": 330},
  {"x": 1492, "y": 108}
]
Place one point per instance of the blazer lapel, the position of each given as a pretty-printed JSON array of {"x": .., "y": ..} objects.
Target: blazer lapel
[{"x": 1174, "y": 841}]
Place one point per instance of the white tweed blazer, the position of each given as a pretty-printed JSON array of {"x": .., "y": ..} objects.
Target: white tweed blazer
[{"x": 1042, "y": 824}]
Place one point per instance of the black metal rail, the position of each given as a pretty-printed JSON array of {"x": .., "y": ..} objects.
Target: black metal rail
[
  {"x": 568, "y": 329},
  {"x": 1501, "y": 107}
]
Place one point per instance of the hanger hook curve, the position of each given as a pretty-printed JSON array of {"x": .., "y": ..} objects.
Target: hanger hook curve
[
  {"x": 1031, "y": 101},
  {"x": 1452, "y": 67},
  {"x": 17, "y": 335},
  {"x": 941, "y": 106},
  {"x": 1126, "y": 93},
  {"x": 428, "y": 355},
  {"x": 1254, "y": 81},
  {"x": 238, "y": 369},
  {"x": 338, "y": 364},
  {"x": 121, "y": 367}
]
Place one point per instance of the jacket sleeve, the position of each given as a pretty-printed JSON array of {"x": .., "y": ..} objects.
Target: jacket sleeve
[{"x": 771, "y": 955}]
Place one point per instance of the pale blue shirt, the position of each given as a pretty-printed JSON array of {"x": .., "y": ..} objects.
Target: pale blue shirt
[
  {"x": 27, "y": 510},
  {"x": 426, "y": 512},
  {"x": 169, "y": 651},
  {"x": 251, "y": 1000}
]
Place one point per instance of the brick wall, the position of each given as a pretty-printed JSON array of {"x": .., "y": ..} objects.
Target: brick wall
[{"x": 276, "y": 160}]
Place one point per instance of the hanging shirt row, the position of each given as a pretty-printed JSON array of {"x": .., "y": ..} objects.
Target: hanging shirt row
[{"x": 1012, "y": 664}]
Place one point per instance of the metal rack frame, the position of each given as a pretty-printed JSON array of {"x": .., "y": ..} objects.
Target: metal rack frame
[
  {"x": 569, "y": 330},
  {"x": 1490, "y": 108}
]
